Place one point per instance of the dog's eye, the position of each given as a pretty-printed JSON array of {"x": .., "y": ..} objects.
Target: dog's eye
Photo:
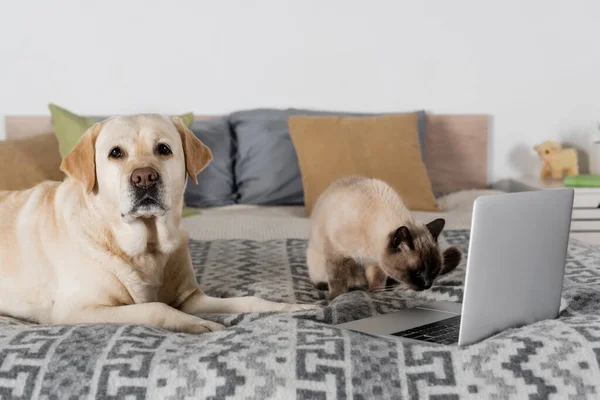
[
  {"x": 547, "y": 151},
  {"x": 163, "y": 150},
  {"x": 116, "y": 152}
]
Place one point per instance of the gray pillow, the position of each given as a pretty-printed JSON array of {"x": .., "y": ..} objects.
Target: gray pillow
[
  {"x": 266, "y": 165},
  {"x": 216, "y": 185}
]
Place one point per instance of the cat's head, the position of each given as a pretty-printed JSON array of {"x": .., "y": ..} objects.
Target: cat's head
[{"x": 412, "y": 255}]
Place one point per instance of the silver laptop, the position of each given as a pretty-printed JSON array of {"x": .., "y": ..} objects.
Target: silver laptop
[{"x": 515, "y": 270}]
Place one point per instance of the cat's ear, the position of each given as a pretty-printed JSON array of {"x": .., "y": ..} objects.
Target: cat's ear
[
  {"x": 435, "y": 227},
  {"x": 402, "y": 239}
]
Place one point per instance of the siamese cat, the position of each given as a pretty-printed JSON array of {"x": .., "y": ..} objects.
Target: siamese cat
[{"x": 363, "y": 235}]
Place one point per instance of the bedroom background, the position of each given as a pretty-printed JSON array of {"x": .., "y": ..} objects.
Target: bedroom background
[{"x": 532, "y": 66}]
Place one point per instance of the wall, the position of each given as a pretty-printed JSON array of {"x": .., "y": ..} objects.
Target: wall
[{"x": 534, "y": 65}]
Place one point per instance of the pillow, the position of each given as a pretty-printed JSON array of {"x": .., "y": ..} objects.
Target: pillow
[
  {"x": 383, "y": 147},
  {"x": 37, "y": 160},
  {"x": 69, "y": 127},
  {"x": 216, "y": 186},
  {"x": 266, "y": 166}
]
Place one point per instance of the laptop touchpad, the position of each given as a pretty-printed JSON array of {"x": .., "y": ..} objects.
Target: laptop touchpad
[{"x": 397, "y": 321}]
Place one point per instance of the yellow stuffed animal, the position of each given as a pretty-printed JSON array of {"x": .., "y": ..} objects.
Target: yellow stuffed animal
[{"x": 557, "y": 160}]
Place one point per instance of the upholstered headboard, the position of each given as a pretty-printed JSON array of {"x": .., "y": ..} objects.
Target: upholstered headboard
[
  {"x": 21, "y": 126},
  {"x": 457, "y": 151},
  {"x": 456, "y": 147}
]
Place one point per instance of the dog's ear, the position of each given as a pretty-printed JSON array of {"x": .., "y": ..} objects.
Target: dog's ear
[
  {"x": 555, "y": 146},
  {"x": 80, "y": 163},
  {"x": 197, "y": 155}
]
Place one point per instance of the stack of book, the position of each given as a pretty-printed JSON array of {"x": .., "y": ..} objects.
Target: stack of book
[
  {"x": 586, "y": 204},
  {"x": 582, "y": 181}
]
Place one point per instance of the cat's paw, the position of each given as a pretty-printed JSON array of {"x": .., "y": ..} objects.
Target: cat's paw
[{"x": 452, "y": 257}]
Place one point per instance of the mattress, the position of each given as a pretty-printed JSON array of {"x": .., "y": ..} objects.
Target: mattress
[
  {"x": 260, "y": 251},
  {"x": 270, "y": 222}
]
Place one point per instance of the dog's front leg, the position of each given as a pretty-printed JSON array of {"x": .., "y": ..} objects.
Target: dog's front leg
[
  {"x": 198, "y": 303},
  {"x": 154, "y": 314},
  {"x": 181, "y": 290}
]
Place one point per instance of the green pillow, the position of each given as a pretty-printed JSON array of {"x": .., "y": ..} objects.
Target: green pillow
[
  {"x": 69, "y": 127},
  {"x": 188, "y": 212}
]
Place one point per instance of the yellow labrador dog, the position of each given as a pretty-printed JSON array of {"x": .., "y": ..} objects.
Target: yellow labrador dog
[{"x": 105, "y": 245}]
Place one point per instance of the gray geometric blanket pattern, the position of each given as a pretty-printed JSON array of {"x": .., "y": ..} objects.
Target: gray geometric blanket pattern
[{"x": 285, "y": 356}]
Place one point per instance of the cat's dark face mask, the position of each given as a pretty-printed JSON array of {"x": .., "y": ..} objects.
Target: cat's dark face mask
[
  {"x": 413, "y": 255},
  {"x": 451, "y": 259}
]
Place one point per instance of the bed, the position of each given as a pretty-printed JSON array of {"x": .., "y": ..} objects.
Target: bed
[{"x": 258, "y": 250}]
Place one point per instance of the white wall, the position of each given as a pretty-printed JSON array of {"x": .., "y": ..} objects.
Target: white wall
[{"x": 534, "y": 65}]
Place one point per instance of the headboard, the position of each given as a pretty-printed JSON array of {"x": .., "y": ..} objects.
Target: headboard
[
  {"x": 456, "y": 147},
  {"x": 22, "y": 126}
]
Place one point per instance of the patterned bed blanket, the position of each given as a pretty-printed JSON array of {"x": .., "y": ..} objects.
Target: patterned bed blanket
[{"x": 301, "y": 355}]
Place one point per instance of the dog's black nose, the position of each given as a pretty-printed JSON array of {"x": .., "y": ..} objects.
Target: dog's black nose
[{"x": 144, "y": 177}]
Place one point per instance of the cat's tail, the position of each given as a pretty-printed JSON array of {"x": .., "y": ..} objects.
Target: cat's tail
[{"x": 452, "y": 257}]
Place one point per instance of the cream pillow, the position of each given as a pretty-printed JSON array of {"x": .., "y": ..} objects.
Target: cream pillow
[{"x": 384, "y": 147}]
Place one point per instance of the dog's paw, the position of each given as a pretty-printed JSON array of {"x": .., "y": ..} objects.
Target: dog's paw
[
  {"x": 298, "y": 307},
  {"x": 202, "y": 326}
]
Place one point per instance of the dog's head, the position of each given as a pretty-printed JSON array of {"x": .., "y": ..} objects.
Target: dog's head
[
  {"x": 137, "y": 164},
  {"x": 547, "y": 149}
]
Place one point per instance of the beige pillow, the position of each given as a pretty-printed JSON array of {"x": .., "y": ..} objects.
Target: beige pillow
[
  {"x": 383, "y": 147},
  {"x": 26, "y": 162}
]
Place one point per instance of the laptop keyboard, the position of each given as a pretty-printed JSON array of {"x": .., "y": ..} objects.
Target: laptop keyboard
[{"x": 443, "y": 332}]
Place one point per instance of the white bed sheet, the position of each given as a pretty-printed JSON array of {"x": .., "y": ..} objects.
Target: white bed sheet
[{"x": 270, "y": 222}]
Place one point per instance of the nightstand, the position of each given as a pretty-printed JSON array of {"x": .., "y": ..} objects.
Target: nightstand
[{"x": 585, "y": 222}]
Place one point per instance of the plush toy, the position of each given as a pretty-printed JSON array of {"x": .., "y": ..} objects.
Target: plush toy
[{"x": 557, "y": 160}]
